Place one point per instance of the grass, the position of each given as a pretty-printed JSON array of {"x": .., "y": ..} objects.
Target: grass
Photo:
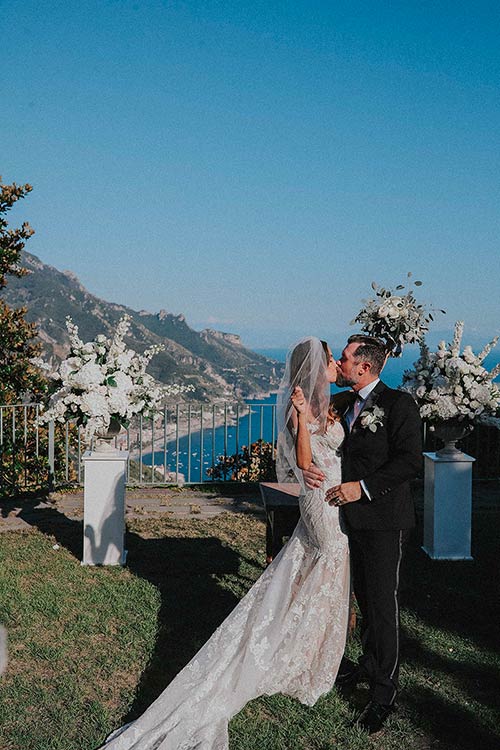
[
  {"x": 90, "y": 648},
  {"x": 78, "y": 641}
]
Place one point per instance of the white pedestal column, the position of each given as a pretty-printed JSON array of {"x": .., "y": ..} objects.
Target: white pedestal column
[
  {"x": 104, "y": 508},
  {"x": 448, "y": 506}
]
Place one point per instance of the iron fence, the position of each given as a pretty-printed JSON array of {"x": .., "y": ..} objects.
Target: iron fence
[{"x": 186, "y": 442}]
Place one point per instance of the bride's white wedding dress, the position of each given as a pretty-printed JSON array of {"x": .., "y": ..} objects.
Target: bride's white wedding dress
[{"x": 286, "y": 635}]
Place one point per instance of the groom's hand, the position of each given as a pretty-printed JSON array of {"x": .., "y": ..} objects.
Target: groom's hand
[
  {"x": 347, "y": 492},
  {"x": 313, "y": 477}
]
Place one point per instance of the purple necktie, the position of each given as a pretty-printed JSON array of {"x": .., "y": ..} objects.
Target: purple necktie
[{"x": 355, "y": 409}]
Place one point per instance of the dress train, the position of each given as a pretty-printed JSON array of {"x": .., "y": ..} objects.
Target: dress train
[{"x": 286, "y": 635}]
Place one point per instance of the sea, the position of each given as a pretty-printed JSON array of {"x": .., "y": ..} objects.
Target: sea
[{"x": 193, "y": 461}]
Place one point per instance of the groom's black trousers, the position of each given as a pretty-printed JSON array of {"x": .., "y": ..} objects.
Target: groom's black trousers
[{"x": 375, "y": 566}]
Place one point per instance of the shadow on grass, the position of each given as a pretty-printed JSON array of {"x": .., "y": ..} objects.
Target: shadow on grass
[
  {"x": 478, "y": 681},
  {"x": 192, "y": 603},
  {"x": 455, "y": 599},
  {"x": 449, "y": 723},
  {"x": 460, "y": 597},
  {"x": 452, "y": 600},
  {"x": 184, "y": 569},
  {"x": 67, "y": 531}
]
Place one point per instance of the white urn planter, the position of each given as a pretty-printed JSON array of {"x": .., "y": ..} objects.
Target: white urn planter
[
  {"x": 450, "y": 431},
  {"x": 448, "y": 496},
  {"x": 104, "y": 438}
]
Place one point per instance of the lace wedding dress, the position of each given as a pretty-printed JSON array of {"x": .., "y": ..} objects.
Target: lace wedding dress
[{"x": 286, "y": 635}]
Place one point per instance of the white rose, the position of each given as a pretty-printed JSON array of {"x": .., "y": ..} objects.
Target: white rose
[{"x": 393, "y": 311}]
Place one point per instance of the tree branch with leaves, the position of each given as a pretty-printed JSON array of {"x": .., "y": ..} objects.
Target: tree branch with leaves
[{"x": 18, "y": 373}]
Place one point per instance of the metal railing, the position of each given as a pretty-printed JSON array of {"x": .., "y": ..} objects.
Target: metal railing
[
  {"x": 190, "y": 442},
  {"x": 186, "y": 442}
]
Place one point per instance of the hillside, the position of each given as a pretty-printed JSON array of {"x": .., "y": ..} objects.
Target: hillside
[{"x": 216, "y": 363}]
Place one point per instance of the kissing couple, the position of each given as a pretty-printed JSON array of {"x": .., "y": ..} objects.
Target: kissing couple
[{"x": 354, "y": 455}]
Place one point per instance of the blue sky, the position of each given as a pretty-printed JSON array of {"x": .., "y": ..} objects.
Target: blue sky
[{"x": 256, "y": 165}]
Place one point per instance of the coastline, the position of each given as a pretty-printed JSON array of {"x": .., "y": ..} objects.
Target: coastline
[{"x": 212, "y": 420}]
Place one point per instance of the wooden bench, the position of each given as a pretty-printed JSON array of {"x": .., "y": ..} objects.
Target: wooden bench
[{"x": 281, "y": 503}]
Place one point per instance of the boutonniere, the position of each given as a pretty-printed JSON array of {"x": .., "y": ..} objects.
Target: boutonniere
[{"x": 371, "y": 418}]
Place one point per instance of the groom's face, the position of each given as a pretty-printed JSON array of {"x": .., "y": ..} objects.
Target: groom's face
[{"x": 350, "y": 369}]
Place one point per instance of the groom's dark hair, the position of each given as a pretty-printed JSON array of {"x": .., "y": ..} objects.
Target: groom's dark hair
[{"x": 371, "y": 349}]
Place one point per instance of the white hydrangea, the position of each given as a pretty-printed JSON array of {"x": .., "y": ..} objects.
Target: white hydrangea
[
  {"x": 88, "y": 376},
  {"x": 103, "y": 380},
  {"x": 123, "y": 381},
  {"x": 118, "y": 402},
  {"x": 94, "y": 404},
  {"x": 448, "y": 385},
  {"x": 124, "y": 360}
]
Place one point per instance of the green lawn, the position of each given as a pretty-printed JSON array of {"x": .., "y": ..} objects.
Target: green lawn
[{"x": 90, "y": 648}]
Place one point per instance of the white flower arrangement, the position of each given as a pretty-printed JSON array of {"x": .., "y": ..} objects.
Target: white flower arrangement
[
  {"x": 394, "y": 317},
  {"x": 102, "y": 380},
  {"x": 447, "y": 384},
  {"x": 371, "y": 418}
]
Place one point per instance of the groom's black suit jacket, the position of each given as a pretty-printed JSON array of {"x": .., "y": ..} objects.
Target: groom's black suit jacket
[{"x": 386, "y": 459}]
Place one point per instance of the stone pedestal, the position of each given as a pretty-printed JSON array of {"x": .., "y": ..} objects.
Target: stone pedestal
[
  {"x": 104, "y": 508},
  {"x": 448, "y": 506}
]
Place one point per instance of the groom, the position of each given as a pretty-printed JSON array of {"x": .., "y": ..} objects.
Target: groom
[{"x": 381, "y": 454}]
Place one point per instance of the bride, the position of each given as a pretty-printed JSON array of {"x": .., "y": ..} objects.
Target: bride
[{"x": 287, "y": 634}]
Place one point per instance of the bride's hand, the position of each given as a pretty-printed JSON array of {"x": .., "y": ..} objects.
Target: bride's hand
[{"x": 298, "y": 400}]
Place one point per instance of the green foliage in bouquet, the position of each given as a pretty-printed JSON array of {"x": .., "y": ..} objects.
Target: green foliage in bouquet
[{"x": 395, "y": 316}]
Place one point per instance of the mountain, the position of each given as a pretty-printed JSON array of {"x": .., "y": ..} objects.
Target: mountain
[{"x": 216, "y": 363}]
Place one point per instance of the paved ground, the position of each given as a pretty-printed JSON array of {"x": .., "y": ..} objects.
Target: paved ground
[
  {"x": 144, "y": 502},
  {"x": 179, "y": 503}
]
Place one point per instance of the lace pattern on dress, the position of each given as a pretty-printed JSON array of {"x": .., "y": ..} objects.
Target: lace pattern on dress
[{"x": 286, "y": 635}]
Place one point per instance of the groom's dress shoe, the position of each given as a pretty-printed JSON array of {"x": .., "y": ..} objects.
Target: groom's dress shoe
[
  {"x": 373, "y": 717},
  {"x": 348, "y": 678}
]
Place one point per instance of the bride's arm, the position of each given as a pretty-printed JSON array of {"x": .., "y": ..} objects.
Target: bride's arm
[{"x": 303, "y": 439}]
